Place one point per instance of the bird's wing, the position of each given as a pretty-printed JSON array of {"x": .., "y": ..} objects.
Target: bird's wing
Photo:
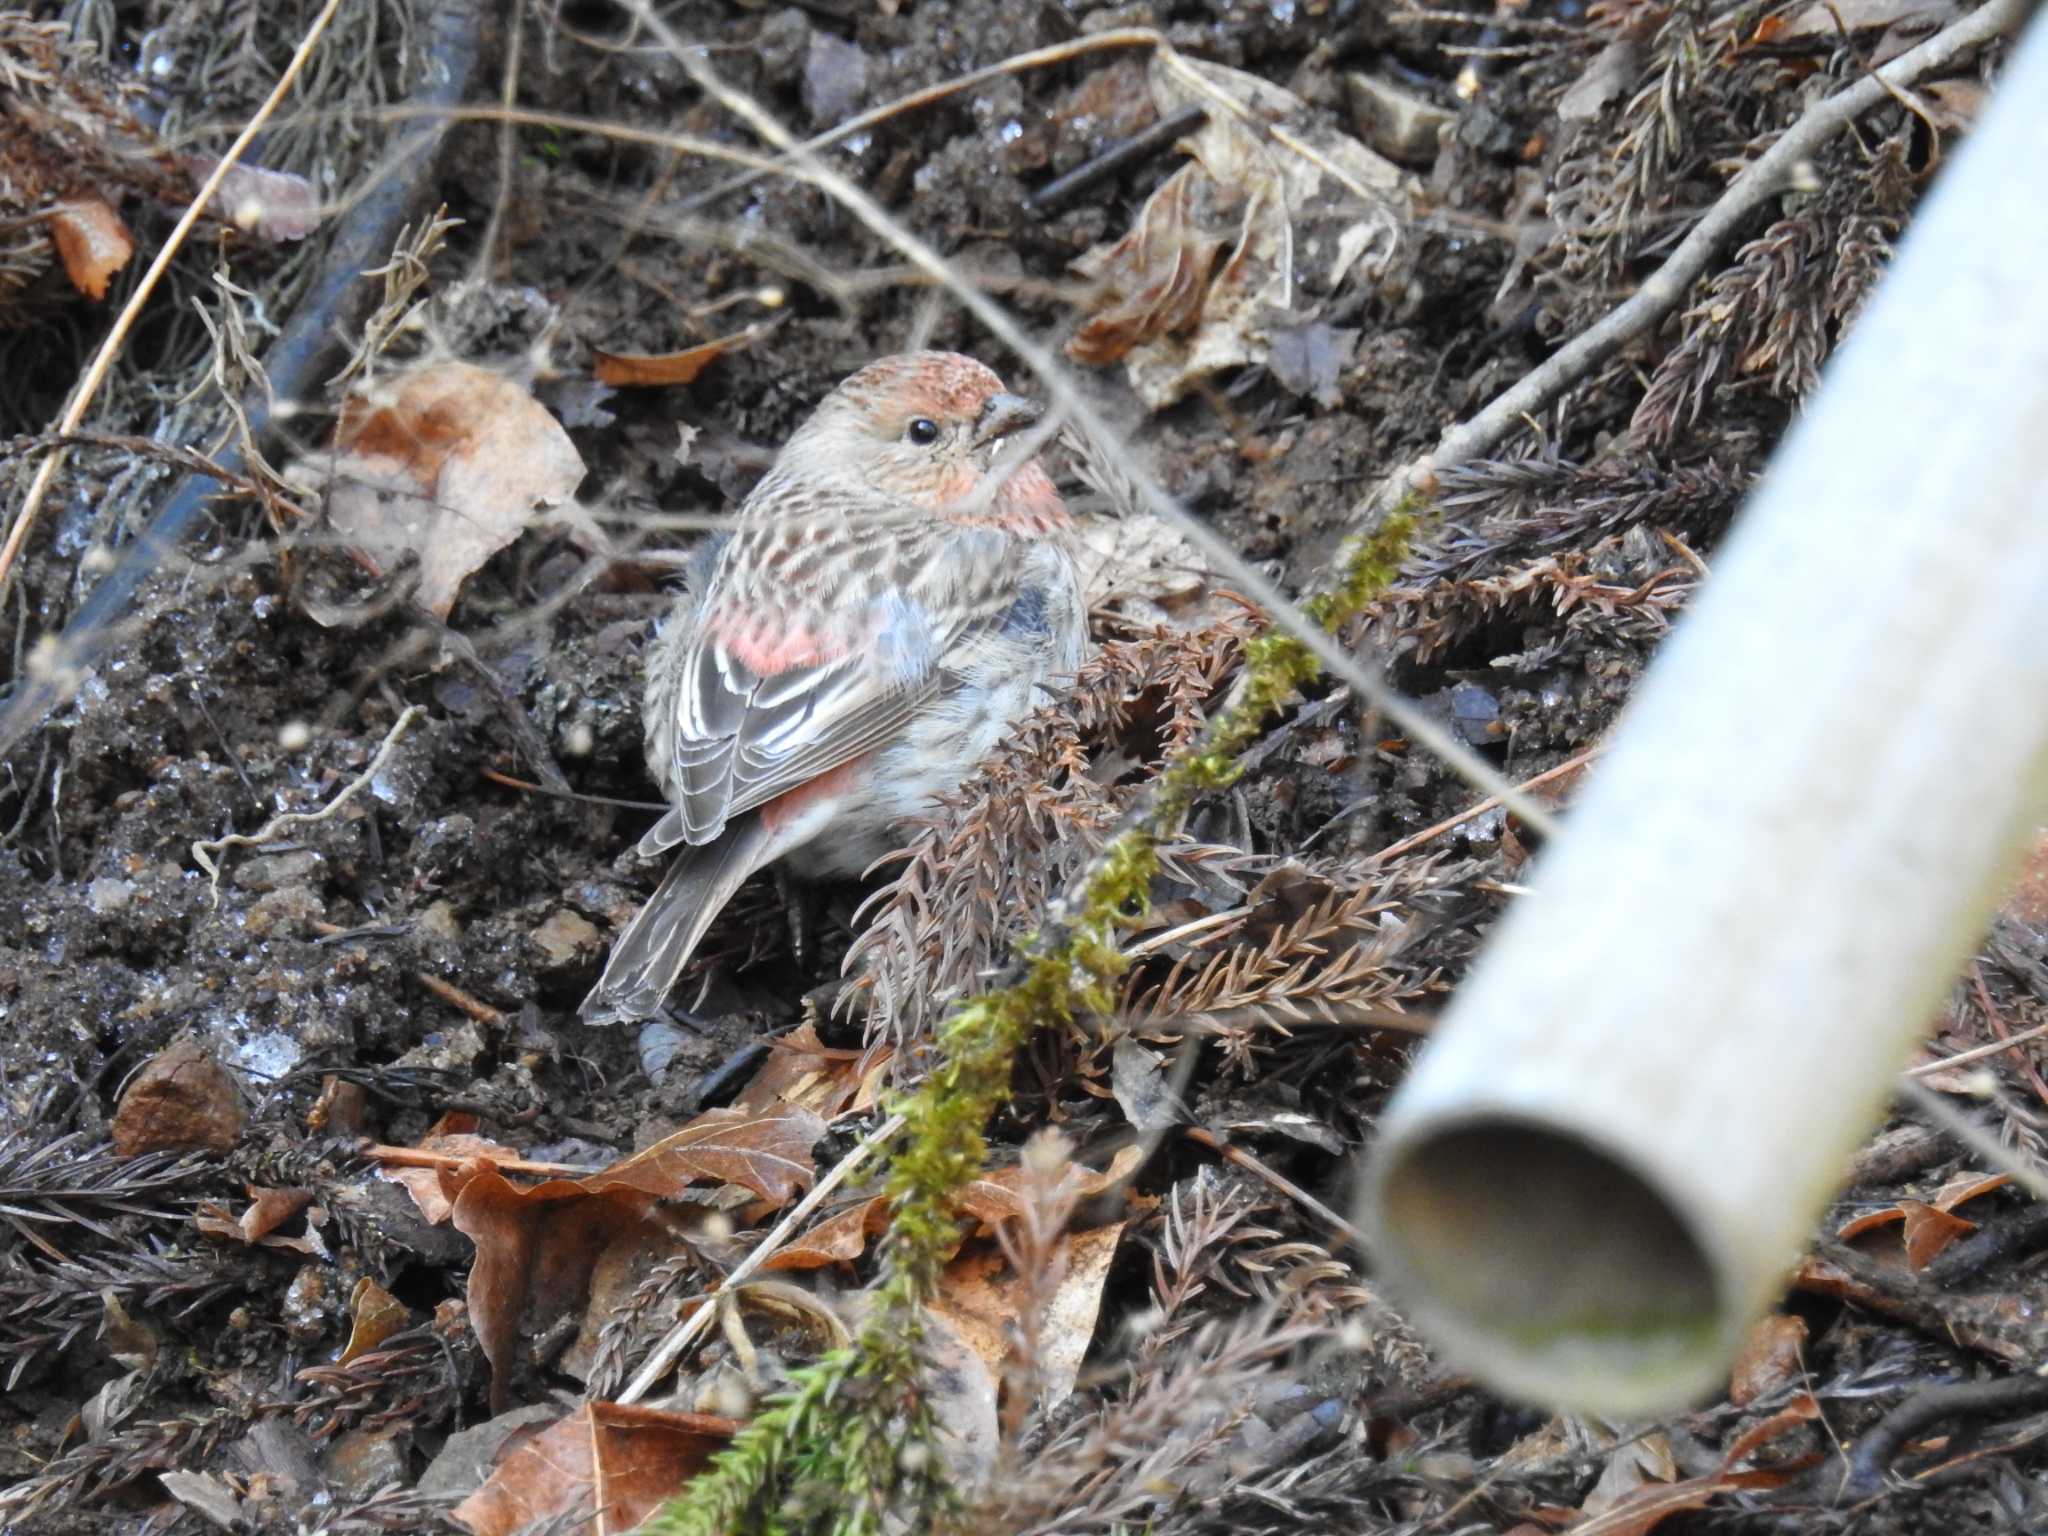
[{"x": 765, "y": 694}]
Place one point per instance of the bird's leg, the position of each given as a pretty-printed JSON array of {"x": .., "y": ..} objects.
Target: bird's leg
[{"x": 800, "y": 910}]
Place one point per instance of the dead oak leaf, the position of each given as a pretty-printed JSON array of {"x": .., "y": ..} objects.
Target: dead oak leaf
[
  {"x": 450, "y": 462},
  {"x": 998, "y": 1195},
  {"x": 625, "y": 370},
  {"x": 1196, "y": 283},
  {"x": 535, "y": 1250},
  {"x": 767, "y": 1151},
  {"x": 982, "y": 1297},
  {"x": 802, "y": 1070},
  {"x": 600, "y": 1471}
]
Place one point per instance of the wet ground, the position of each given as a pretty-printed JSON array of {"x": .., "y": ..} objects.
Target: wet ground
[{"x": 429, "y": 941}]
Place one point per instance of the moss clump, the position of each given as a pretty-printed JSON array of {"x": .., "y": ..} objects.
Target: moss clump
[{"x": 853, "y": 1436}]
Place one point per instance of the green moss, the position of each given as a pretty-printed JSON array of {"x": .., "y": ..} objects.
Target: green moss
[{"x": 853, "y": 1435}]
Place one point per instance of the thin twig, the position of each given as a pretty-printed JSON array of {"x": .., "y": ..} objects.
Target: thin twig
[
  {"x": 1491, "y": 802},
  {"x": 1284, "y": 1185},
  {"x": 1771, "y": 173},
  {"x": 684, "y": 1334},
  {"x": 1978, "y": 1053},
  {"x": 117, "y": 334},
  {"x": 1974, "y": 1136},
  {"x": 203, "y": 852}
]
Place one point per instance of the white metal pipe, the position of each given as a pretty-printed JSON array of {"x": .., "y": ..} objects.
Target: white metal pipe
[{"x": 1644, "y": 1095}]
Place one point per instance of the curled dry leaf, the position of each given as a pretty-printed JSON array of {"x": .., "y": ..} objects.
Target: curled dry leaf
[
  {"x": 535, "y": 1252},
  {"x": 601, "y": 1470},
  {"x": 1927, "y": 1227},
  {"x": 91, "y": 241},
  {"x": 1211, "y": 261},
  {"x": 639, "y": 369},
  {"x": 538, "y": 1245},
  {"x": 992, "y": 1198},
  {"x": 982, "y": 1297},
  {"x": 998, "y": 1195},
  {"x": 374, "y": 1316},
  {"x": 765, "y": 1150},
  {"x": 268, "y": 1210},
  {"x": 449, "y": 462},
  {"x": 803, "y": 1071}
]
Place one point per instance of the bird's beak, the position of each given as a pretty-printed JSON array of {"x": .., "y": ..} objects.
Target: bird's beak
[{"x": 1004, "y": 415}]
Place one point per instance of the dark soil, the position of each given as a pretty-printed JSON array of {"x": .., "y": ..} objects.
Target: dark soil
[{"x": 431, "y": 941}]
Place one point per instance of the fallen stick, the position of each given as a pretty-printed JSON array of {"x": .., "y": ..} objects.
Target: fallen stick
[{"x": 1609, "y": 1155}]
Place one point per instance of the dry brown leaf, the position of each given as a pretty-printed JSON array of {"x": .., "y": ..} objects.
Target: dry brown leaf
[
  {"x": 840, "y": 1238},
  {"x": 535, "y": 1249},
  {"x": 268, "y": 1210},
  {"x": 1647, "y": 1507},
  {"x": 1928, "y": 1227},
  {"x": 91, "y": 241},
  {"x": 1641, "y": 1461},
  {"x": 451, "y": 462},
  {"x": 767, "y": 1151},
  {"x": 374, "y": 1315},
  {"x": 1929, "y": 1230},
  {"x": 997, "y": 1196},
  {"x": 1769, "y": 1357},
  {"x": 537, "y": 1245},
  {"x": 981, "y": 1296},
  {"x": 640, "y": 369},
  {"x": 1210, "y": 261},
  {"x": 433, "y": 1189},
  {"x": 600, "y": 1471},
  {"x": 802, "y": 1070}
]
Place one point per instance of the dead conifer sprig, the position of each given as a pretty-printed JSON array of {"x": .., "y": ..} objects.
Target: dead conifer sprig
[
  {"x": 982, "y": 873},
  {"x": 1763, "y": 178},
  {"x": 72, "y": 1180}
]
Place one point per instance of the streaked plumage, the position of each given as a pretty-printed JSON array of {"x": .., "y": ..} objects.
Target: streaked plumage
[{"x": 884, "y": 610}]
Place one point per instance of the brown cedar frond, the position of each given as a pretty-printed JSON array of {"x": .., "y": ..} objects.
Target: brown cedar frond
[
  {"x": 1701, "y": 99},
  {"x": 420, "y": 1375},
  {"x": 76, "y": 1180},
  {"x": 1335, "y": 958},
  {"x": 1500, "y": 513},
  {"x": 982, "y": 871},
  {"x": 1774, "y": 314},
  {"x": 44, "y": 1307},
  {"x": 1124, "y": 1466},
  {"x": 632, "y": 1329},
  {"x": 98, "y": 1466},
  {"x": 1579, "y": 588}
]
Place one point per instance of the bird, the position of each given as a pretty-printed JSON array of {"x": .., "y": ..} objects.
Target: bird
[{"x": 894, "y": 594}]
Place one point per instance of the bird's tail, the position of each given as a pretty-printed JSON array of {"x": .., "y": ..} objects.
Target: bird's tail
[{"x": 658, "y": 943}]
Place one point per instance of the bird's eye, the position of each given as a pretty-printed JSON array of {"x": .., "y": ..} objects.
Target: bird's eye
[{"x": 923, "y": 431}]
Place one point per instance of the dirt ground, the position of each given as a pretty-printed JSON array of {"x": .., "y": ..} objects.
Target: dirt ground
[{"x": 420, "y": 953}]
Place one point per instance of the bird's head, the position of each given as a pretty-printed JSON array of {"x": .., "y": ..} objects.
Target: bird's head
[{"x": 927, "y": 427}]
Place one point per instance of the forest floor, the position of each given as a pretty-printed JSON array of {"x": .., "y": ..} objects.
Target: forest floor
[{"x": 316, "y": 1196}]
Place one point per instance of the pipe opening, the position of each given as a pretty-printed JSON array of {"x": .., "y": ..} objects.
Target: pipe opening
[{"x": 1564, "y": 1275}]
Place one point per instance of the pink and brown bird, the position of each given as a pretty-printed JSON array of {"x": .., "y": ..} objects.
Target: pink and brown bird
[{"x": 895, "y": 594}]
